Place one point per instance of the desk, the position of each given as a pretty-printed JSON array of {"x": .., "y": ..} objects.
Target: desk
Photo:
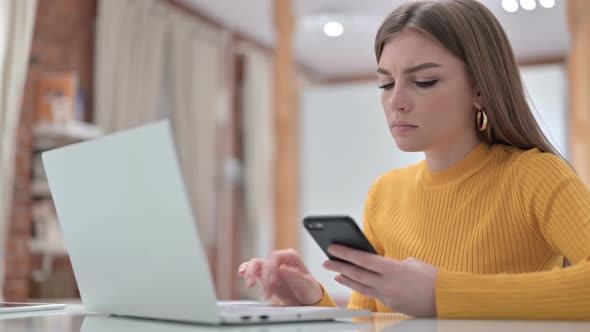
[{"x": 75, "y": 319}]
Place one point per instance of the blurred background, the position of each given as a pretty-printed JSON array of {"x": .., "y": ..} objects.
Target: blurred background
[{"x": 274, "y": 105}]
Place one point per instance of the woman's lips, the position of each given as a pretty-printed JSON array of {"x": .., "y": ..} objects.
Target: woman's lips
[{"x": 403, "y": 128}]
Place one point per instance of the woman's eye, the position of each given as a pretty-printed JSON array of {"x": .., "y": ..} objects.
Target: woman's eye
[
  {"x": 425, "y": 84},
  {"x": 387, "y": 86}
]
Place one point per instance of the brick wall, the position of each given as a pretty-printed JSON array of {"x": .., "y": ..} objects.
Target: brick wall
[{"x": 63, "y": 40}]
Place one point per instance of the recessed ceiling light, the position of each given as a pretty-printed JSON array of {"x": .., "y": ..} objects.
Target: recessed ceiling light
[
  {"x": 333, "y": 29},
  {"x": 528, "y": 4},
  {"x": 510, "y": 5},
  {"x": 547, "y": 3}
]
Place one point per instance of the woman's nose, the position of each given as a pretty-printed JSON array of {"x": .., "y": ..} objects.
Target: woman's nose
[{"x": 397, "y": 100}]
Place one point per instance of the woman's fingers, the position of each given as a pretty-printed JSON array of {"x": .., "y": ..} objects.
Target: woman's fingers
[
  {"x": 251, "y": 271},
  {"x": 284, "y": 284},
  {"x": 269, "y": 278},
  {"x": 305, "y": 289},
  {"x": 242, "y": 268}
]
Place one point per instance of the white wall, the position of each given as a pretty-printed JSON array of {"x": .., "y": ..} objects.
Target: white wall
[
  {"x": 346, "y": 145},
  {"x": 547, "y": 88}
]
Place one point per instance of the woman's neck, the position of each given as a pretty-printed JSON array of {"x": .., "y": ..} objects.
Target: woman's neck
[{"x": 445, "y": 155}]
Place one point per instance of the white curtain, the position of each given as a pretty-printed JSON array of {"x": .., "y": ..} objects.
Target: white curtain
[
  {"x": 258, "y": 140},
  {"x": 199, "y": 93},
  {"x": 153, "y": 61},
  {"x": 130, "y": 43},
  {"x": 17, "y": 20}
]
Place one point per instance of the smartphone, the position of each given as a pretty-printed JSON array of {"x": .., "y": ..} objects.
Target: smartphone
[{"x": 327, "y": 230}]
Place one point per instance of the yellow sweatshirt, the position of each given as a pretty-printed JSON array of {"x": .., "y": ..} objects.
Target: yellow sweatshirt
[{"x": 497, "y": 225}]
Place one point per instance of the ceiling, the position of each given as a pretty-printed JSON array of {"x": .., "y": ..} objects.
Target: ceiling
[{"x": 538, "y": 34}]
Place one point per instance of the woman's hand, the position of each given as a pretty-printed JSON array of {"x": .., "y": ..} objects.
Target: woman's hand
[
  {"x": 406, "y": 286},
  {"x": 283, "y": 276}
]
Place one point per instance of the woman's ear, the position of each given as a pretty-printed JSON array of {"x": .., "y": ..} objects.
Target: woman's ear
[{"x": 477, "y": 101}]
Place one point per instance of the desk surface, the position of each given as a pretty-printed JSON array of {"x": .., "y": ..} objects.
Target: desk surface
[{"x": 74, "y": 319}]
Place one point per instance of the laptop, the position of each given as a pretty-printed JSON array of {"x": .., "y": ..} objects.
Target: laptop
[
  {"x": 133, "y": 242},
  {"x": 12, "y": 307},
  {"x": 119, "y": 324}
]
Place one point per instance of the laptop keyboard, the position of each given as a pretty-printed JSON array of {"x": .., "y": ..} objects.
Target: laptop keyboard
[
  {"x": 267, "y": 310},
  {"x": 248, "y": 310}
]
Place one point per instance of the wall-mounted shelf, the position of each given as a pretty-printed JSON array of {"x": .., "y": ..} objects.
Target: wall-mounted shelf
[
  {"x": 47, "y": 241},
  {"x": 49, "y": 136}
]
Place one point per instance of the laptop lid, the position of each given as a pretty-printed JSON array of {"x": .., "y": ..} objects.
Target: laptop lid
[{"x": 128, "y": 226}]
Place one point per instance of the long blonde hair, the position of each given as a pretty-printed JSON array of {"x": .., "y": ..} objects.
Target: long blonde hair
[{"x": 471, "y": 32}]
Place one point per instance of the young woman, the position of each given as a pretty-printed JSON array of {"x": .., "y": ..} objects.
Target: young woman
[{"x": 481, "y": 227}]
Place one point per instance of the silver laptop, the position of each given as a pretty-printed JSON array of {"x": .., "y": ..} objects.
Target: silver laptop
[
  {"x": 12, "y": 307},
  {"x": 120, "y": 324},
  {"x": 131, "y": 236}
]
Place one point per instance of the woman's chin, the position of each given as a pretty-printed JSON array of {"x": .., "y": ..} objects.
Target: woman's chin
[{"x": 407, "y": 145}]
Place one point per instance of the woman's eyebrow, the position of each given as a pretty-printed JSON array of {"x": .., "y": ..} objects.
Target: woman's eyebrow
[{"x": 412, "y": 69}]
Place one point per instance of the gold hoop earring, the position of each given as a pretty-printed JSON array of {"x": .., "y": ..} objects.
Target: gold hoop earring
[{"x": 482, "y": 120}]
